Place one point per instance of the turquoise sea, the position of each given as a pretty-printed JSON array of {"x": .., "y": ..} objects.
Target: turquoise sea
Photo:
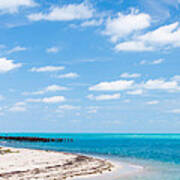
[{"x": 159, "y": 154}]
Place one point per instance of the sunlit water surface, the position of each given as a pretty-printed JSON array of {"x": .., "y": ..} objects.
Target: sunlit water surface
[{"x": 159, "y": 154}]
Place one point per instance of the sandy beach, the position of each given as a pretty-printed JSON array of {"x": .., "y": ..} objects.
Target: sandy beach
[{"x": 26, "y": 164}]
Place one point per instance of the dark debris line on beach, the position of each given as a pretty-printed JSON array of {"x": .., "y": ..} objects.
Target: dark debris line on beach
[{"x": 36, "y": 139}]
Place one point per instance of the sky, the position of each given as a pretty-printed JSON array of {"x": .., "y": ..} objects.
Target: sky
[{"x": 90, "y": 66}]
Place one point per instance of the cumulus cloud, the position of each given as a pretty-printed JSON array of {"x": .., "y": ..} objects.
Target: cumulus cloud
[
  {"x": 137, "y": 88},
  {"x": 33, "y": 100},
  {"x": 65, "y": 13},
  {"x": 135, "y": 92},
  {"x": 127, "y": 101},
  {"x": 104, "y": 97},
  {"x": 47, "y": 69},
  {"x": 54, "y": 99},
  {"x": 92, "y": 109},
  {"x": 112, "y": 86},
  {"x": 175, "y": 111},
  {"x": 68, "y": 107},
  {"x": 176, "y": 78},
  {"x": 156, "y": 61},
  {"x": 143, "y": 62},
  {"x": 133, "y": 46},
  {"x": 8, "y": 65},
  {"x": 130, "y": 32},
  {"x": 12, "y": 6},
  {"x": 152, "y": 102},
  {"x": 52, "y": 50},
  {"x": 125, "y": 24},
  {"x": 127, "y": 75},
  {"x": 70, "y": 75},
  {"x": 92, "y": 23},
  {"x": 20, "y": 104},
  {"x": 54, "y": 88},
  {"x": 51, "y": 88},
  {"x": 168, "y": 35},
  {"x": 18, "y": 107},
  {"x": 16, "y": 49},
  {"x": 161, "y": 84}
]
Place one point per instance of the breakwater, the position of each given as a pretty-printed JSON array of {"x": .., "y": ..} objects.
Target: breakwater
[{"x": 35, "y": 139}]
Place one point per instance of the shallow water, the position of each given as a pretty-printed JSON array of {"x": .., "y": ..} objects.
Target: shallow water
[{"x": 158, "y": 154}]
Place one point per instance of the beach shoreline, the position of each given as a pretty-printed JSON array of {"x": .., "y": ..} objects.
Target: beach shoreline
[
  {"x": 16, "y": 163},
  {"x": 21, "y": 163}
]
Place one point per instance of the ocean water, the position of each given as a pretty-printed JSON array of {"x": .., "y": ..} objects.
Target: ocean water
[{"x": 159, "y": 154}]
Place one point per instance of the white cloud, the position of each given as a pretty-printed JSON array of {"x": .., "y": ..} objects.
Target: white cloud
[
  {"x": 65, "y": 13},
  {"x": 129, "y": 30},
  {"x": 34, "y": 100},
  {"x": 112, "y": 86},
  {"x": 12, "y": 6},
  {"x": 8, "y": 65},
  {"x": 125, "y": 24},
  {"x": 104, "y": 97},
  {"x": 135, "y": 92},
  {"x": 127, "y": 100},
  {"x": 68, "y": 76},
  {"x": 92, "y": 109},
  {"x": 18, "y": 107},
  {"x": 152, "y": 102},
  {"x": 133, "y": 46},
  {"x": 47, "y": 69},
  {"x": 143, "y": 62},
  {"x": 68, "y": 107},
  {"x": 20, "y": 104},
  {"x": 92, "y": 23},
  {"x": 176, "y": 78},
  {"x": 138, "y": 88},
  {"x": 157, "y": 61},
  {"x": 17, "y": 49},
  {"x": 168, "y": 35},
  {"x": 51, "y": 88},
  {"x": 52, "y": 50},
  {"x": 54, "y": 99},
  {"x": 55, "y": 88},
  {"x": 161, "y": 84},
  {"x": 175, "y": 111},
  {"x": 127, "y": 75}
]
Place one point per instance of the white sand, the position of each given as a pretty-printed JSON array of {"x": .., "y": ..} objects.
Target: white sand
[{"x": 29, "y": 164}]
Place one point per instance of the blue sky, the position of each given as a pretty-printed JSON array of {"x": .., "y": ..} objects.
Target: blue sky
[{"x": 85, "y": 66}]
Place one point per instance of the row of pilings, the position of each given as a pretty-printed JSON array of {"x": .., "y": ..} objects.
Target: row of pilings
[{"x": 35, "y": 139}]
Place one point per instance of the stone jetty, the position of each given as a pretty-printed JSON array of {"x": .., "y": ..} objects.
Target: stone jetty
[{"x": 35, "y": 139}]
